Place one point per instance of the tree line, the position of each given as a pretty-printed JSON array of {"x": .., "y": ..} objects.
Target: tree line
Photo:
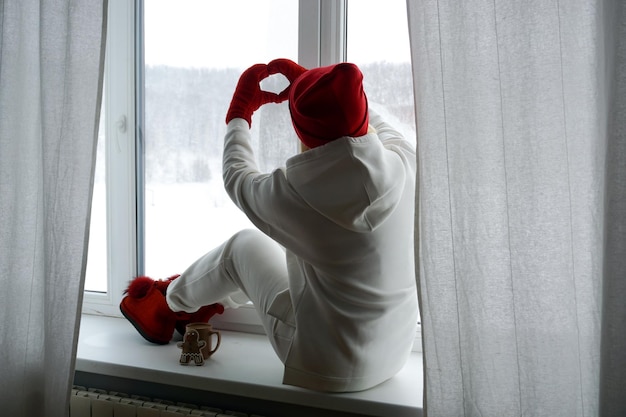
[{"x": 185, "y": 110}]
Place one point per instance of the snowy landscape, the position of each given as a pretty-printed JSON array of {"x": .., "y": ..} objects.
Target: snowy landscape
[{"x": 187, "y": 211}]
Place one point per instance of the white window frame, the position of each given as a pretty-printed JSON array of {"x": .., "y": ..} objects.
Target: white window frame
[
  {"x": 321, "y": 41},
  {"x": 321, "y": 34},
  {"x": 120, "y": 149}
]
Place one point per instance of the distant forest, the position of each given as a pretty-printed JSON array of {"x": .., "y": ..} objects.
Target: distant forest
[{"x": 185, "y": 110}]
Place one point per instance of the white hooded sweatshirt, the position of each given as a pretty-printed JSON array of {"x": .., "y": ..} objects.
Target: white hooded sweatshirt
[{"x": 344, "y": 212}]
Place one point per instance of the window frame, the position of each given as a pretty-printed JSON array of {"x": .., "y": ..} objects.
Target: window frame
[
  {"x": 321, "y": 41},
  {"x": 322, "y": 29},
  {"x": 120, "y": 160}
]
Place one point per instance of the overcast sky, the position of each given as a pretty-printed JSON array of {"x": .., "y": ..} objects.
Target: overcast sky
[{"x": 239, "y": 33}]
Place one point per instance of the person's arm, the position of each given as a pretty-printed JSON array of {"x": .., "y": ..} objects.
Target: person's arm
[
  {"x": 384, "y": 130},
  {"x": 251, "y": 190},
  {"x": 239, "y": 167}
]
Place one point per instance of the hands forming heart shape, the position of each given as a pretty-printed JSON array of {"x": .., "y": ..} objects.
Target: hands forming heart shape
[
  {"x": 248, "y": 96},
  {"x": 289, "y": 69}
]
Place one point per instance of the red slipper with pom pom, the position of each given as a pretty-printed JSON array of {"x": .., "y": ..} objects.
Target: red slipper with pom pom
[
  {"x": 145, "y": 307},
  {"x": 147, "y": 310},
  {"x": 201, "y": 316}
]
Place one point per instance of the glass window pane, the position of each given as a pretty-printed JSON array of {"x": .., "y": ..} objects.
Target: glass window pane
[
  {"x": 194, "y": 54},
  {"x": 96, "y": 277},
  {"x": 378, "y": 42}
]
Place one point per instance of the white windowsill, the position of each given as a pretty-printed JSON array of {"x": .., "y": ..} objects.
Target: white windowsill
[{"x": 244, "y": 365}]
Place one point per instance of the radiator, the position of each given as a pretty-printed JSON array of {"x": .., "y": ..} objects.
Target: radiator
[{"x": 99, "y": 403}]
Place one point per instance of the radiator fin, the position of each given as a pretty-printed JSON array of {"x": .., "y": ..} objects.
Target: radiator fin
[{"x": 100, "y": 403}]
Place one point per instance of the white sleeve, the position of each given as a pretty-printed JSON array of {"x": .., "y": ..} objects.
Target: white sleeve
[{"x": 259, "y": 195}]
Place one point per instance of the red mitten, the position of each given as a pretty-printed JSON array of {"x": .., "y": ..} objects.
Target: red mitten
[
  {"x": 248, "y": 96},
  {"x": 289, "y": 69}
]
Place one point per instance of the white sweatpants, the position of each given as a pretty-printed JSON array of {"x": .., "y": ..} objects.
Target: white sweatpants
[{"x": 247, "y": 267}]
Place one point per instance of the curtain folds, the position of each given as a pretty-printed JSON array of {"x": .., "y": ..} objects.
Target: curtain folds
[
  {"x": 522, "y": 209},
  {"x": 51, "y": 66}
]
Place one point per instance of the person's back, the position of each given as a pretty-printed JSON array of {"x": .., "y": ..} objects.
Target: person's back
[
  {"x": 359, "y": 299},
  {"x": 344, "y": 212}
]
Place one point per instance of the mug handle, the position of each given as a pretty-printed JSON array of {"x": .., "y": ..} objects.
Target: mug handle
[{"x": 219, "y": 340}]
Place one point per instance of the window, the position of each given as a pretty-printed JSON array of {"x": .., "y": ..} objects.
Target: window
[
  {"x": 194, "y": 55},
  {"x": 378, "y": 42},
  {"x": 96, "y": 276},
  {"x": 159, "y": 201}
]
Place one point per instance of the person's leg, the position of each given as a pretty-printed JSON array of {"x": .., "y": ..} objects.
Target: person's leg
[{"x": 248, "y": 267}]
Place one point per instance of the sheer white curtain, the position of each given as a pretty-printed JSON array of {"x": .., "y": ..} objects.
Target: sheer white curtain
[
  {"x": 51, "y": 57},
  {"x": 522, "y": 205}
]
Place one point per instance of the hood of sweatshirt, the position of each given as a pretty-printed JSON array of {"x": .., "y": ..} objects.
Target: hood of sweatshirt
[{"x": 354, "y": 182}]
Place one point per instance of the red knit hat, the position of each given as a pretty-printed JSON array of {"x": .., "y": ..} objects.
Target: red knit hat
[{"x": 327, "y": 103}]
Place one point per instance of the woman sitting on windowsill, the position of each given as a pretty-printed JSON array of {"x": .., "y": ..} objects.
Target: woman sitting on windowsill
[{"x": 330, "y": 269}]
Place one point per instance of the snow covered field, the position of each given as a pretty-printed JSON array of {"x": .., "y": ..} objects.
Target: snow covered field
[{"x": 183, "y": 222}]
